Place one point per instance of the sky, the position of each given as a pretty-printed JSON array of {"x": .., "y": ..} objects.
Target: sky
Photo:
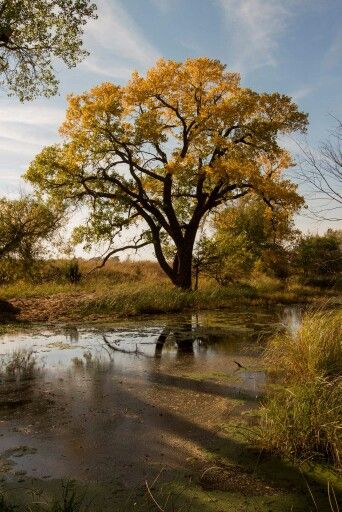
[{"x": 290, "y": 46}]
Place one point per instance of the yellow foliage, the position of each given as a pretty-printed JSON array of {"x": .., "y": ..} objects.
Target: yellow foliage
[{"x": 171, "y": 146}]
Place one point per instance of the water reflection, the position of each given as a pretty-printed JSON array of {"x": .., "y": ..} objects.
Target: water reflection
[
  {"x": 128, "y": 396},
  {"x": 71, "y": 333},
  {"x": 181, "y": 336}
]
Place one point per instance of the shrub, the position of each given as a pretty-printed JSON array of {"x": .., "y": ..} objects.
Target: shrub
[{"x": 73, "y": 273}]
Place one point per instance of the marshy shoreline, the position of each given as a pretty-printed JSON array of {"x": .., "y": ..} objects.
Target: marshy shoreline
[{"x": 190, "y": 423}]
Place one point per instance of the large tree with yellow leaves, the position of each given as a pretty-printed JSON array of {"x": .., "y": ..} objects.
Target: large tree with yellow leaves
[{"x": 164, "y": 151}]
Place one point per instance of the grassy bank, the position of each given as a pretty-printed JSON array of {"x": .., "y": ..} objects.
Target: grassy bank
[
  {"x": 302, "y": 417},
  {"x": 138, "y": 288}
]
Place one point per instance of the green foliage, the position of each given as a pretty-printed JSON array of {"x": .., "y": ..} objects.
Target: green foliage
[
  {"x": 26, "y": 226},
  {"x": 248, "y": 235},
  {"x": 226, "y": 257},
  {"x": 303, "y": 414},
  {"x": 318, "y": 258},
  {"x": 32, "y": 35}
]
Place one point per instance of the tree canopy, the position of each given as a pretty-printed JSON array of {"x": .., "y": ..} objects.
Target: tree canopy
[
  {"x": 167, "y": 149},
  {"x": 246, "y": 235},
  {"x": 32, "y": 35},
  {"x": 318, "y": 258}
]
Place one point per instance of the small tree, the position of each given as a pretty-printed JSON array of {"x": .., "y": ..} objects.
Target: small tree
[
  {"x": 226, "y": 257},
  {"x": 318, "y": 258},
  {"x": 164, "y": 152},
  {"x": 72, "y": 272},
  {"x": 25, "y": 226},
  {"x": 249, "y": 232},
  {"x": 32, "y": 34}
]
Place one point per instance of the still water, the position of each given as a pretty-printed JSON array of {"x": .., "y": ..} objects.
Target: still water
[{"x": 115, "y": 402}]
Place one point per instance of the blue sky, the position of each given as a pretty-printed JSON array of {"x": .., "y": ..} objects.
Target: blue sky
[{"x": 292, "y": 46}]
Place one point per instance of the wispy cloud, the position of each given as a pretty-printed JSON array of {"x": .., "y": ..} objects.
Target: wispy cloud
[
  {"x": 99, "y": 67},
  {"x": 255, "y": 26},
  {"x": 31, "y": 114},
  {"x": 302, "y": 92},
  {"x": 24, "y": 129},
  {"x": 333, "y": 56},
  {"x": 117, "y": 42}
]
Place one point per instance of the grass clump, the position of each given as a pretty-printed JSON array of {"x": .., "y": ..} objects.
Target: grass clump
[
  {"x": 302, "y": 416},
  {"x": 19, "y": 365}
]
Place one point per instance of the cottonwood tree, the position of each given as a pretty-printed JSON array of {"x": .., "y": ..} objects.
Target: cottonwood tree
[
  {"x": 168, "y": 149},
  {"x": 32, "y": 34}
]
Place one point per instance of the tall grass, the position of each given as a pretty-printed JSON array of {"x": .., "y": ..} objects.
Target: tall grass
[
  {"x": 313, "y": 350},
  {"x": 302, "y": 416}
]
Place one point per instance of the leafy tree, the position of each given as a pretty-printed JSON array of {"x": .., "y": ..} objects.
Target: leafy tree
[
  {"x": 263, "y": 226},
  {"x": 168, "y": 149},
  {"x": 32, "y": 34},
  {"x": 225, "y": 257},
  {"x": 25, "y": 226},
  {"x": 247, "y": 233},
  {"x": 318, "y": 258}
]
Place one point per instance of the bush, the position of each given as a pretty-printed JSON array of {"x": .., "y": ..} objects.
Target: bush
[{"x": 73, "y": 273}]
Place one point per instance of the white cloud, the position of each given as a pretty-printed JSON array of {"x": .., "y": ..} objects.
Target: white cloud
[
  {"x": 302, "y": 92},
  {"x": 31, "y": 114},
  {"x": 255, "y": 26},
  {"x": 116, "y": 34},
  {"x": 26, "y": 128},
  {"x": 97, "y": 66}
]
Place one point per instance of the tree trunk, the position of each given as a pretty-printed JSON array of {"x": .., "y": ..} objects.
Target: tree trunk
[{"x": 182, "y": 268}]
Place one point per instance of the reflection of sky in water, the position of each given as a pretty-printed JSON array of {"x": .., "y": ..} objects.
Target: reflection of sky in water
[
  {"x": 216, "y": 339},
  {"x": 109, "y": 406},
  {"x": 214, "y": 336}
]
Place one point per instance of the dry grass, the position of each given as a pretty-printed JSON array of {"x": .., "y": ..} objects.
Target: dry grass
[
  {"x": 131, "y": 288},
  {"x": 302, "y": 416},
  {"x": 313, "y": 351}
]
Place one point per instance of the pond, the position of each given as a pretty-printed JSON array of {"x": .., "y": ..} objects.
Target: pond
[{"x": 113, "y": 404}]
